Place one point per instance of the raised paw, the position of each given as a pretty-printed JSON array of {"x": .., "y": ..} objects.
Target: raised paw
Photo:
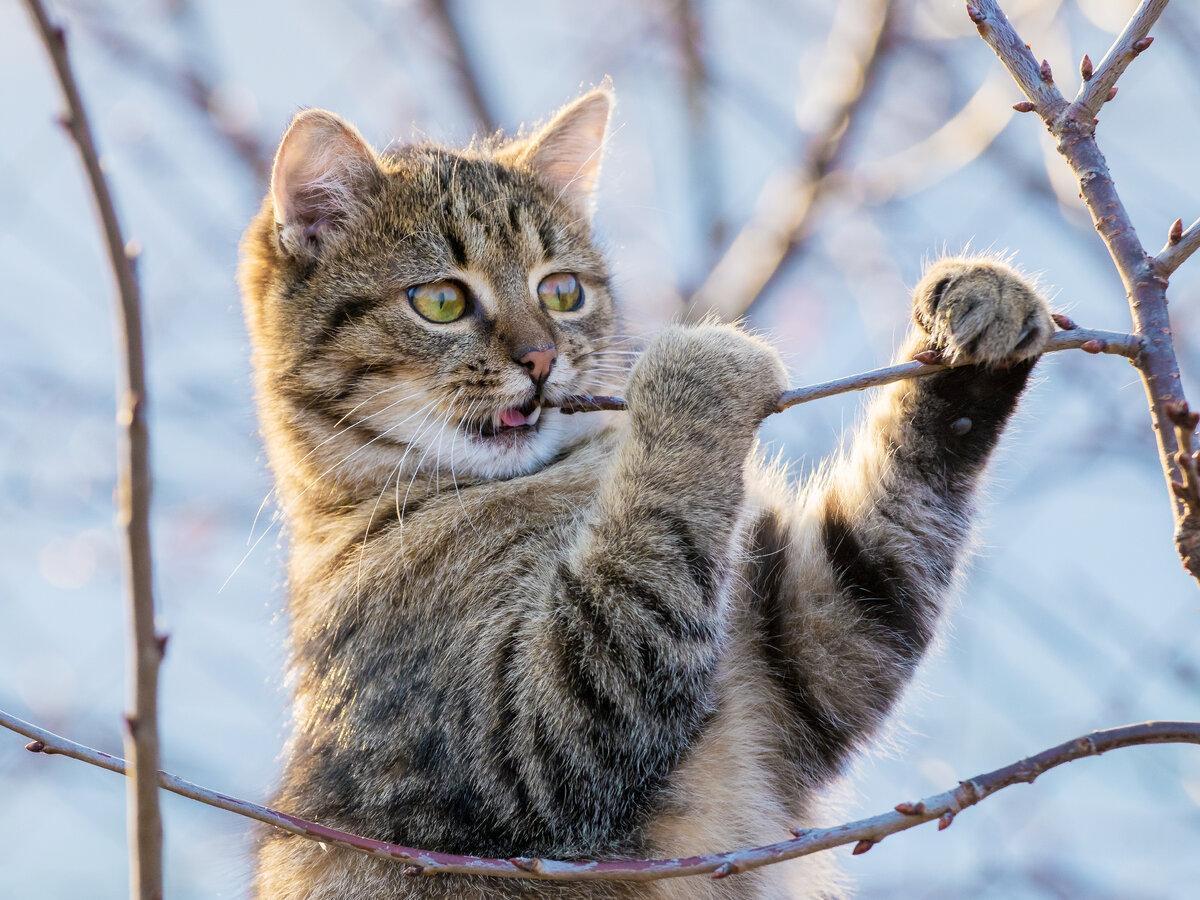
[
  {"x": 981, "y": 311},
  {"x": 712, "y": 373}
]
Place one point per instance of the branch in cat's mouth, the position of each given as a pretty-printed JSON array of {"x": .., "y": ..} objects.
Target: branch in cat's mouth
[{"x": 1089, "y": 340}]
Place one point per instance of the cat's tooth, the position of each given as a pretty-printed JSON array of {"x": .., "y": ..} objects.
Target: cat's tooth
[{"x": 532, "y": 418}]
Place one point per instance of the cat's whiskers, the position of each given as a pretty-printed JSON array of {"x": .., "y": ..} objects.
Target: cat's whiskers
[
  {"x": 437, "y": 463},
  {"x": 466, "y": 417},
  {"x": 313, "y": 484},
  {"x": 399, "y": 511},
  {"x": 337, "y": 434}
]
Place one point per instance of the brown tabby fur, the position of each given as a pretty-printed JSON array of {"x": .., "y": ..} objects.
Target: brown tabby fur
[{"x": 612, "y": 636}]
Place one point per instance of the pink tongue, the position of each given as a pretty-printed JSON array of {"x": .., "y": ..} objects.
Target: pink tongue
[{"x": 511, "y": 417}]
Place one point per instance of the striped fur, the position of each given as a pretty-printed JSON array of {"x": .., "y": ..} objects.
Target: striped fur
[{"x": 617, "y": 635}]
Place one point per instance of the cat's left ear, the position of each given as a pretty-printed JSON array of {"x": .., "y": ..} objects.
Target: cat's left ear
[
  {"x": 323, "y": 172},
  {"x": 567, "y": 152}
]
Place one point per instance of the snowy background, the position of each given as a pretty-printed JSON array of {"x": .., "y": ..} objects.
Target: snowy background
[{"x": 1077, "y": 615}]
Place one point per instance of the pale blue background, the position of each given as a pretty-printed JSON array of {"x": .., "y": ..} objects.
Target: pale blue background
[{"x": 1076, "y": 615}]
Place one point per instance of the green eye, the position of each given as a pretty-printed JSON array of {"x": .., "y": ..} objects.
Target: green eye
[
  {"x": 561, "y": 292},
  {"x": 439, "y": 301}
]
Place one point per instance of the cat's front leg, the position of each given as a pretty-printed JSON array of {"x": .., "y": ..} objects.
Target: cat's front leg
[
  {"x": 850, "y": 582},
  {"x": 608, "y": 680}
]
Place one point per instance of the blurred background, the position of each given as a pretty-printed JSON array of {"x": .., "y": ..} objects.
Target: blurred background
[{"x": 796, "y": 161}]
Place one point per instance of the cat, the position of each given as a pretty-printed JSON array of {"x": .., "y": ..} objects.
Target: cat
[{"x": 516, "y": 632}]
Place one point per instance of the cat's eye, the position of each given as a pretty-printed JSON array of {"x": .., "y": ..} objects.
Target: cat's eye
[
  {"x": 439, "y": 301},
  {"x": 561, "y": 292}
]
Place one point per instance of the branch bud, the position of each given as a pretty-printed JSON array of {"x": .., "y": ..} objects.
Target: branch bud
[
  {"x": 1175, "y": 235},
  {"x": 1066, "y": 323},
  {"x": 928, "y": 357},
  {"x": 976, "y": 14},
  {"x": 35, "y": 746},
  {"x": 1093, "y": 346},
  {"x": 910, "y": 809},
  {"x": 1085, "y": 67},
  {"x": 1024, "y": 106},
  {"x": 1112, "y": 92},
  {"x": 1139, "y": 46},
  {"x": 945, "y": 821},
  {"x": 1044, "y": 72},
  {"x": 862, "y": 847},
  {"x": 527, "y": 863}
]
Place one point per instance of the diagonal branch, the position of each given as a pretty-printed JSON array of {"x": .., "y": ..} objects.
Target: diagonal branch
[
  {"x": 464, "y": 67},
  {"x": 133, "y": 493},
  {"x": 1094, "y": 92},
  {"x": 786, "y": 205},
  {"x": 1088, "y": 340},
  {"x": 1144, "y": 278},
  {"x": 864, "y": 833}
]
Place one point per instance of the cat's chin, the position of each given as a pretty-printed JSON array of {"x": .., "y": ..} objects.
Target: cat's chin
[{"x": 511, "y": 451}]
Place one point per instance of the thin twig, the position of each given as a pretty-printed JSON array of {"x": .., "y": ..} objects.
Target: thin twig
[
  {"x": 1086, "y": 339},
  {"x": 1144, "y": 278},
  {"x": 863, "y": 833},
  {"x": 463, "y": 65},
  {"x": 1094, "y": 92},
  {"x": 133, "y": 494},
  {"x": 1180, "y": 245},
  {"x": 778, "y": 229}
]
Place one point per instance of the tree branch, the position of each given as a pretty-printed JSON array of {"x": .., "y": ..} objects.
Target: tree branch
[
  {"x": 460, "y": 61},
  {"x": 1094, "y": 91},
  {"x": 1145, "y": 279},
  {"x": 864, "y": 833},
  {"x": 1180, "y": 245},
  {"x": 785, "y": 206},
  {"x": 1088, "y": 340},
  {"x": 133, "y": 493}
]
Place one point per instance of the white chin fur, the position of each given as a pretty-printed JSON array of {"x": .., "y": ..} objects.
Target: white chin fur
[{"x": 493, "y": 459}]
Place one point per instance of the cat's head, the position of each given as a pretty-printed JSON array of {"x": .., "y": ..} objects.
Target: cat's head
[{"x": 415, "y": 308}]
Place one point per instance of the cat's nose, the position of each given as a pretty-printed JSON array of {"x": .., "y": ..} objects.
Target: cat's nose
[{"x": 538, "y": 361}]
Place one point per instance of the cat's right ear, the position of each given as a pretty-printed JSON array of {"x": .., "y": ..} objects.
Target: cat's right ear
[{"x": 322, "y": 173}]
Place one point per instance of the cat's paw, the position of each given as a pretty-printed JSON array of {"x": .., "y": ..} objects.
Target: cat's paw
[
  {"x": 981, "y": 311},
  {"x": 707, "y": 373}
]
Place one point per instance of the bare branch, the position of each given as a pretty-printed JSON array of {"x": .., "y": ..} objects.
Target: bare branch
[
  {"x": 778, "y": 228},
  {"x": 1180, "y": 245},
  {"x": 1088, "y": 340},
  {"x": 133, "y": 493},
  {"x": 1094, "y": 92},
  {"x": 1145, "y": 282},
  {"x": 1035, "y": 79},
  {"x": 190, "y": 81},
  {"x": 700, "y": 147},
  {"x": 462, "y": 64},
  {"x": 1187, "y": 539},
  {"x": 864, "y": 833}
]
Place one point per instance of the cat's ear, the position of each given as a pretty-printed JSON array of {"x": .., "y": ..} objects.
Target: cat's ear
[
  {"x": 567, "y": 152},
  {"x": 322, "y": 173}
]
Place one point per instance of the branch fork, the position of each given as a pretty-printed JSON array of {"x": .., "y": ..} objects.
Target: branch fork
[{"x": 1145, "y": 277}]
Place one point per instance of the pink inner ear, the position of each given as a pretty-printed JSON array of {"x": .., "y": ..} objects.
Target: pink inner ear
[
  {"x": 322, "y": 165},
  {"x": 568, "y": 151}
]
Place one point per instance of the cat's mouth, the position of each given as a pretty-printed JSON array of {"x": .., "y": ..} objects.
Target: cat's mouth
[{"x": 512, "y": 420}]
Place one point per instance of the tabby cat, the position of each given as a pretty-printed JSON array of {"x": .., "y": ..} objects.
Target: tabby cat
[{"x": 516, "y": 632}]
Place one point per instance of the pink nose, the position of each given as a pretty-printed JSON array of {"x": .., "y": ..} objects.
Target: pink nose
[{"x": 538, "y": 361}]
